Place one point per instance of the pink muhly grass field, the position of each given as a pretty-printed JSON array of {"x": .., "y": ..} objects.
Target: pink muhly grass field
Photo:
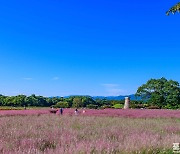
[
  {"x": 23, "y": 112},
  {"x": 95, "y": 131},
  {"x": 54, "y": 134},
  {"x": 132, "y": 113}
]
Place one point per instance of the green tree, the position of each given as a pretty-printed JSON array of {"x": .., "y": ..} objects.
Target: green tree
[
  {"x": 62, "y": 105},
  {"x": 41, "y": 101},
  {"x": 8, "y": 101},
  {"x": 80, "y": 101},
  {"x": 77, "y": 102},
  {"x": 102, "y": 102},
  {"x": 19, "y": 100},
  {"x": 32, "y": 100},
  {"x": 86, "y": 100},
  {"x": 161, "y": 92},
  {"x": 2, "y": 100},
  {"x": 174, "y": 9}
]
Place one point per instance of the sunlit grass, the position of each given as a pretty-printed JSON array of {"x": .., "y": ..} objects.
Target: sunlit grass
[{"x": 87, "y": 134}]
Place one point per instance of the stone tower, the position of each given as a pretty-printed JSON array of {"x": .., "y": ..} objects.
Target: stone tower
[{"x": 127, "y": 103}]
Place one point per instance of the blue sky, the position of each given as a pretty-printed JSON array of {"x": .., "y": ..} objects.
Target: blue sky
[{"x": 92, "y": 47}]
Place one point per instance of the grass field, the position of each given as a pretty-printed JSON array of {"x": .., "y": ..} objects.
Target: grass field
[{"x": 51, "y": 133}]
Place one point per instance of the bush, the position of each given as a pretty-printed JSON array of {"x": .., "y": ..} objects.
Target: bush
[
  {"x": 118, "y": 106},
  {"x": 92, "y": 106},
  {"x": 153, "y": 107},
  {"x": 106, "y": 106},
  {"x": 62, "y": 105},
  {"x": 139, "y": 106}
]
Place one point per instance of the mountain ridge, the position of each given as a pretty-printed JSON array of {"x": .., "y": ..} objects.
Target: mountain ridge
[{"x": 120, "y": 97}]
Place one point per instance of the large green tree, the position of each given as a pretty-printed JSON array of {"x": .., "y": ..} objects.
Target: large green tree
[
  {"x": 174, "y": 9},
  {"x": 19, "y": 100},
  {"x": 161, "y": 92}
]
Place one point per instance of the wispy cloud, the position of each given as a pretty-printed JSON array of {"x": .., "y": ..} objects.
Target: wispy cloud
[
  {"x": 55, "y": 78},
  {"x": 109, "y": 85},
  {"x": 113, "y": 89},
  {"x": 27, "y": 78}
]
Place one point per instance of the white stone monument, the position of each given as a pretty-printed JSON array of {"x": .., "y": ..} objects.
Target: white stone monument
[{"x": 127, "y": 103}]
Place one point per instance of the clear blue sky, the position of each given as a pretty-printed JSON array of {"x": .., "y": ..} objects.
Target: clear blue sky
[{"x": 86, "y": 47}]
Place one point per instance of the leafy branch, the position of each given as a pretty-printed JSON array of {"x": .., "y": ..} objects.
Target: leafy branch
[{"x": 174, "y": 9}]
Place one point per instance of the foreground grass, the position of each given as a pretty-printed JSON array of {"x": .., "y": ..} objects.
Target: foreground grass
[{"x": 78, "y": 134}]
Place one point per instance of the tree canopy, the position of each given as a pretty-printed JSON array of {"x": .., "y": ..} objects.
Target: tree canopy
[
  {"x": 174, "y": 9},
  {"x": 71, "y": 101},
  {"x": 161, "y": 92},
  {"x": 156, "y": 93}
]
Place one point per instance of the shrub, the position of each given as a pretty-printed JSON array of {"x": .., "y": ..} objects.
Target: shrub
[
  {"x": 139, "y": 106},
  {"x": 153, "y": 107},
  {"x": 118, "y": 106},
  {"x": 92, "y": 106},
  {"x": 106, "y": 106},
  {"x": 62, "y": 105}
]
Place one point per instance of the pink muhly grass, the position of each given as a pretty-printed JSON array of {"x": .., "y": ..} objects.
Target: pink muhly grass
[
  {"x": 23, "y": 112},
  {"x": 50, "y": 133},
  {"x": 132, "y": 113}
]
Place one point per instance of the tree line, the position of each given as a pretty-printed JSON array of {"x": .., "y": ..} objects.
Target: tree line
[
  {"x": 57, "y": 102},
  {"x": 155, "y": 94}
]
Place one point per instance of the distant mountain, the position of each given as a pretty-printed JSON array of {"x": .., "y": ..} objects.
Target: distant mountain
[{"x": 132, "y": 97}]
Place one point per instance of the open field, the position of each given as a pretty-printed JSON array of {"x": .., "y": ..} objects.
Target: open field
[
  {"x": 133, "y": 113},
  {"x": 38, "y": 131}
]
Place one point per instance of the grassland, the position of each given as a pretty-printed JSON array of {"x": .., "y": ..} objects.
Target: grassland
[{"x": 50, "y": 133}]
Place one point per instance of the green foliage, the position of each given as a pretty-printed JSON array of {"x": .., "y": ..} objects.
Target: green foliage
[
  {"x": 92, "y": 106},
  {"x": 22, "y": 100},
  {"x": 118, "y": 106},
  {"x": 113, "y": 102},
  {"x": 101, "y": 102},
  {"x": 174, "y": 9},
  {"x": 156, "y": 93},
  {"x": 161, "y": 93},
  {"x": 62, "y": 105},
  {"x": 77, "y": 102},
  {"x": 139, "y": 105},
  {"x": 106, "y": 106},
  {"x": 39, "y": 101},
  {"x": 81, "y": 101}
]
